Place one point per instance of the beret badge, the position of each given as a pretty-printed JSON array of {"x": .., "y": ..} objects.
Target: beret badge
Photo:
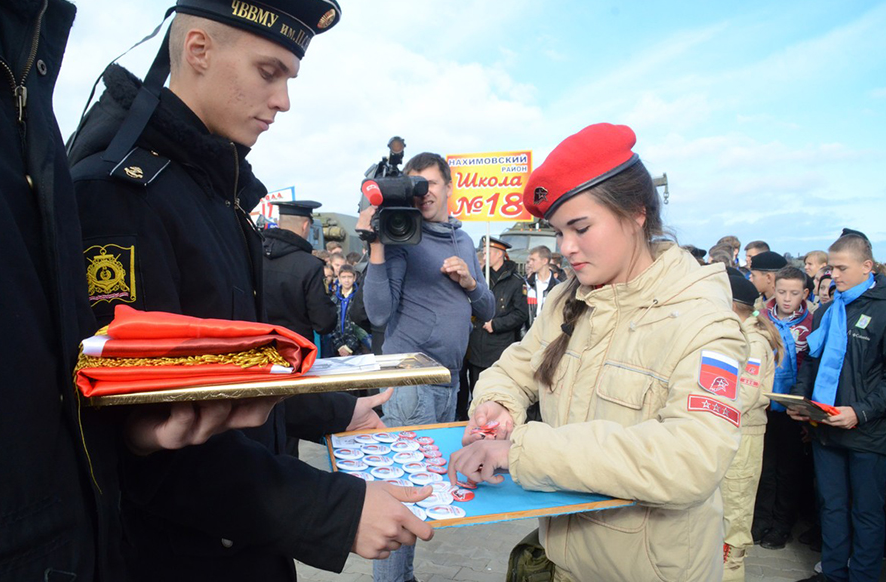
[{"x": 540, "y": 195}]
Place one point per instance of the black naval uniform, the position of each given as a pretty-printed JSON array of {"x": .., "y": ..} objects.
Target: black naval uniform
[
  {"x": 293, "y": 279},
  {"x": 166, "y": 232},
  {"x": 511, "y": 312},
  {"x": 55, "y": 523}
]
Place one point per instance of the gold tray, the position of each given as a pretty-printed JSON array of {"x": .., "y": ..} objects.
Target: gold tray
[{"x": 396, "y": 370}]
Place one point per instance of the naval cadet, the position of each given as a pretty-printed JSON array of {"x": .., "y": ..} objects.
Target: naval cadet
[
  {"x": 163, "y": 186},
  {"x": 293, "y": 277}
]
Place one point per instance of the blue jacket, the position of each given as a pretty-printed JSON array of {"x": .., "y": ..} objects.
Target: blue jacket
[{"x": 424, "y": 309}]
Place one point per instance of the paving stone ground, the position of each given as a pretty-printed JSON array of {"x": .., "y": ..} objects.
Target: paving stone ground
[{"x": 479, "y": 553}]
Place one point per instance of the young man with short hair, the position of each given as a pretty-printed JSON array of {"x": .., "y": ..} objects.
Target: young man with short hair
[
  {"x": 540, "y": 282},
  {"x": 775, "y": 511},
  {"x": 847, "y": 369},
  {"x": 171, "y": 211},
  {"x": 426, "y": 295},
  {"x": 753, "y": 249}
]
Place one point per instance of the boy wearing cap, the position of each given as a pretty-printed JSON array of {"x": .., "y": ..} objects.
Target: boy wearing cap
[
  {"x": 162, "y": 184},
  {"x": 752, "y": 249},
  {"x": 845, "y": 369},
  {"x": 765, "y": 265},
  {"x": 777, "y": 497}
]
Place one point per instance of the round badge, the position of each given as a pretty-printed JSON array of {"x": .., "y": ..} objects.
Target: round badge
[
  {"x": 351, "y": 465},
  {"x": 384, "y": 437},
  {"x": 413, "y": 457},
  {"x": 466, "y": 484},
  {"x": 404, "y": 446},
  {"x": 424, "y": 440},
  {"x": 365, "y": 439},
  {"x": 407, "y": 435},
  {"x": 441, "y": 486},
  {"x": 350, "y": 454},
  {"x": 375, "y": 449},
  {"x": 432, "y": 454},
  {"x": 418, "y": 512},
  {"x": 388, "y": 473},
  {"x": 378, "y": 461},
  {"x": 345, "y": 442},
  {"x": 445, "y": 512},
  {"x": 398, "y": 482},
  {"x": 362, "y": 475},
  {"x": 437, "y": 461},
  {"x": 422, "y": 479},
  {"x": 437, "y": 469},
  {"x": 441, "y": 498},
  {"x": 427, "y": 448},
  {"x": 462, "y": 495},
  {"x": 415, "y": 467}
]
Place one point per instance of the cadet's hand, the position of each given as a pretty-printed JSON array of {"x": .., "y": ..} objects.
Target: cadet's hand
[
  {"x": 458, "y": 271},
  {"x": 364, "y": 417},
  {"x": 797, "y": 414},
  {"x": 479, "y": 460},
  {"x": 846, "y": 419},
  {"x": 386, "y": 523},
  {"x": 485, "y": 413},
  {"x": 150, "y": 429}
]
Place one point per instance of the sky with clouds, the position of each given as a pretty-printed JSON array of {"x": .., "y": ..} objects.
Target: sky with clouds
[{"x": 768, "y": 117}]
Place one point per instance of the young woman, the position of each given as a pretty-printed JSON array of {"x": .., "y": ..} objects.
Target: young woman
[{"x": 635, "y": 365}]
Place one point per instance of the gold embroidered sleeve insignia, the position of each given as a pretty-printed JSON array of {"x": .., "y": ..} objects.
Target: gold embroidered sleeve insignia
[{"x": 110, "y": 273}]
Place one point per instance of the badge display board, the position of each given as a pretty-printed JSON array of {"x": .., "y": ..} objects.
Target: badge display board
[
  {"x": 395, "y": 370},
  {"x": 816, "y": 411},
  {"x": 493, "y": 503}
]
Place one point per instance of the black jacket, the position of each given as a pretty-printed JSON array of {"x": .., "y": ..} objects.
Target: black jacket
[
  {"x": 53, "y": 519},
  {"x": 863, "y": 376},
  {"x": 511, "y": 312},
  {"x": 169, "y": 234},
  {"x": 293, "y": 280}
]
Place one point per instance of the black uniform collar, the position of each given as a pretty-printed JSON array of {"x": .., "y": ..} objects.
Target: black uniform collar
[{"x": 289, "y": 237}]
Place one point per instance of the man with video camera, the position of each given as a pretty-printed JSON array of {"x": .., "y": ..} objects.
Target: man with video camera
[{"x": 425, "y": 293}]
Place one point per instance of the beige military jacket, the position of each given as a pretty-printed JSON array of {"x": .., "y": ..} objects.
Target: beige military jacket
[
  {"x": 756, "y": 377},
  {"x": 627, "y": 417}
]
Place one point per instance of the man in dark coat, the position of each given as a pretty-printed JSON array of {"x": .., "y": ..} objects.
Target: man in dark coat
[
  {"x": 293, "y": 277},
  {"x": 490, "y": 338},
  {"x": 168, "y": 217},
  {"x": 55, "y": 524}
]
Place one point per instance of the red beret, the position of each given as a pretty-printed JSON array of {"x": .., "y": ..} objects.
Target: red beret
[{"x": 581, "y": 160}]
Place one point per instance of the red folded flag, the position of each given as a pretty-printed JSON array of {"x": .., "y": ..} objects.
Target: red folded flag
[{"x": 142, "y": 351}]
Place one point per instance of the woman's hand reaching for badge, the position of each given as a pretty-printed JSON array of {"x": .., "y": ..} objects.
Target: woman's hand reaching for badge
[
  {"x": 479, "y": 460},
  {"x": 482, "y": 424}
]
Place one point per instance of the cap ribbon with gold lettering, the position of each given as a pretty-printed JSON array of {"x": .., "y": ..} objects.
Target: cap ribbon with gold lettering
[{"x": 291, "y": 23}]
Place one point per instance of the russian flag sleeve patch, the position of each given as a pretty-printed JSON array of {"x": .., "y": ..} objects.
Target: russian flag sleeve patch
[{"x": 718, "y": 374}]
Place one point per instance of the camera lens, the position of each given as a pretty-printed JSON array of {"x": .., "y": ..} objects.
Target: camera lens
[{"x": 399, "y": 226}]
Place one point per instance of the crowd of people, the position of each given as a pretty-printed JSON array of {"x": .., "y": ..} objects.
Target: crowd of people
[{"x": 626, "y": 366}]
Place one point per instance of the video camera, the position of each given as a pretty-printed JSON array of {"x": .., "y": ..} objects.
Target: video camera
[{"x": 397, "y": 221}]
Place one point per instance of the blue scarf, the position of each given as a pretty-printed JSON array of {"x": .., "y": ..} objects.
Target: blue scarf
[
  {"x": 830, "y": 340},
  {"x": 786, "y": 373}
]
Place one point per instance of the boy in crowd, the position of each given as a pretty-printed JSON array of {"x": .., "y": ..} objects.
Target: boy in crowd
[
  {"x": 752, "y": 249},
  {"x": 776, "y": 508},
  {"x": 814, "y": 262},
  {"x": 347, "y": 338},
  {"x": 735, "y": 244},
  {"x": 847, "y": 359},
  {"x": 541, "y": 280},
  {"x": 765, "y": 266}
]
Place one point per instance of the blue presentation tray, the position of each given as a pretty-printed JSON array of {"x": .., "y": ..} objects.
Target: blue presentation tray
[{"x": 504, "y": 502}]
